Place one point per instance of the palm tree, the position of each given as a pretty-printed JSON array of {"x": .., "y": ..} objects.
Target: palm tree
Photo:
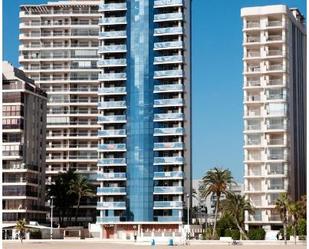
[
  {"x": 302, "y": 203},
  {"x": 294, "y": 210},
  {"x": 21, "y": 228},
  {"x": 282, "y": 204},
  {"x": 235, "y": 205},
  {"x": 216, "y": 181},
  {"x": 81, "y": 188}
]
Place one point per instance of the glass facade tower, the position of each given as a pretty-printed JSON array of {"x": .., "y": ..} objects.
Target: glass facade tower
[{"x": 144, "y": 166}]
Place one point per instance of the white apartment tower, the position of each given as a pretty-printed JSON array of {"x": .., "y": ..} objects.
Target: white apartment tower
[
  {"x": 58, "y": 49},
  {"x": 274, "y": 49}
]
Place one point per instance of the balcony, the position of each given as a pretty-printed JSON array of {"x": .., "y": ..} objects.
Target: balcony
[
  {"x": 278, "y": 67},
  {"x": 168, "y": 31},
  {"x": 275, "y": 82},
  {"x": 168, "y": 190},
  {"x": 168, "y": 146},
  {"x": 253, "y": 39},
  {"x": 112, "y": 133},
  {"x": 168, "y": 102},
  {"x": 108, "y": 219},
  {"x": 112, "y": 119},
  {"x": 111, "y": 62},
  {"x": 274, "y": 23},
  {"x": 167, "y": 204},
  {"x": 274, "y": 217},
  {"x": 168, "y": 17},
  {"x": 168, "y": 117},
  {"x": 272, "y": 38},
  {"x": 111, "y": 205},
  {"x": 168, "y": 131},
  {"x": 168, "y": 219},
  {"x": 168, "y": 59},
  {"x": 253, "y": 83},
  {"x": 168, "y": 45},
  {"x": 113, "y": 49},
  {"x": 253, "y": 127},
  {"x": 168, "y": 74},
  {"x": 113, "y": 20},
  {"x": 168, "y": 160},
  {"x": 112, "y": 90},
  {"x": 253, "y": 98},
  {"x": 112, "y": 147},
  {"x": 276, "y": 126},
  {"x": 112, "y": 162},
  {"x": 112, "y": 7},
  {"x": 252, "y": 25},
  {"x": 112, "y": 105},
  {"x": 168, "y": 175},
  {"x": 276, "y": 96},
  {"x": 112, "y": 76},
  {"x": 276, "y": 156},
  {"x": 111, "y": 190},
  {"x": 274, "y": 52},
  {"x": 256, "y": 142},
  {"x": 168, "y": 88},
  {"x": 253, "y": 69},
  {"x": 111, "y": 176},
  {"x": 253, "y": 54},
  {"x": 167, "y": 3},
  {"x": 113, "y": 34}
]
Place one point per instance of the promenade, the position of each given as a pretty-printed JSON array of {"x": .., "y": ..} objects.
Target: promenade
[{"x": 70, "y": 244}]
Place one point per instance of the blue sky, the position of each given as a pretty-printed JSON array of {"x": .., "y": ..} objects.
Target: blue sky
[{"x": 217, "y": 77}]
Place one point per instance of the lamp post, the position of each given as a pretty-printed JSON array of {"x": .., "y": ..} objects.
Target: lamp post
[
  {"x": 188, "y": 215},
  {"x": 51, "y": 216}
]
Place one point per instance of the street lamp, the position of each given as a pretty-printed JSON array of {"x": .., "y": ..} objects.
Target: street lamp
[
  {"x": 51, "y": 216},
  {"x": 188, "y": 215}
]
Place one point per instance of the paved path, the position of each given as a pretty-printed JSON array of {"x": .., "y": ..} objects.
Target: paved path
[{"x": 109, "y": 245}]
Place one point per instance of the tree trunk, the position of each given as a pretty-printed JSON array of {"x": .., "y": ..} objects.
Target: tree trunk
[
  {"x": 241, "y": 231},
  {"x": 78, "y": 204},
  {"x": 216, "y": 215},
  {"x": 294, "y": 233},
  {"x": 284, "y": 232}
]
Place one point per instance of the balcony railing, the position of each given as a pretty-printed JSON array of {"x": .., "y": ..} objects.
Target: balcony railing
[
  {"x": 112, "y": 118},
  {"x": 279, "y": 96},
  {"x": 167, "y": 146},
  {"x": 253, "y": 83},
  {"x": 164, "y": 3},
  {"x": 112, "y": 76},
  {"x": 277, "y": 126},
  {"x": 254, "y": 127},
  {"x": 112, "y": 161},
  {"x": 168, "y": 116},
  {"x": 167, "y": 204},
  {"x": 274, "y": 52},
  {"x": 111, "y": 205},
  {"x": 168, "y": 189},
  {"x": 112, "y": 147},
  {"x": 168, "y": 218},
  {"x": 275, "y": 82},
  {"x": 106, "y": 190},
  {"x": 274, "y": 23},
  {"x": 274, "y": 38},
  {"x": 113, "y": 48},
  {"x": 110, "y": 176},
  {"x": 168, "y": 131},
  {"x": 113, "y": 34},
  {"x": 112, "y": 90},
  {"x": 168, "y": 45},
  {"x": 168, "y": 31},
  {"x": 168, "y": 59},
  {"x": 168, "y": 174},
  {"x": 278, "y": 67},
  {"x": 275, "y": 156},
  {"x": 252, "y": 39},
  {"x": 111, "y": 62},
  {"x": 168, "y": 16},
  {"x": 253, "y": 69},
  {"x": 112, "y": 6},
  {"x": 108, "y": 219},
  {"x": 168, "y": 88},
  {"x": 274, "y": 217},
  {"x": 253, "y": 24},
  {"x": 168, "y": 102},
  {"x": 113, "y": 20},
  {"x": 111, "y": 133},
  {"x": 168, "y": 73},
  {"x": 168, "y": 160},
  {"x": 112, "y": 104}
]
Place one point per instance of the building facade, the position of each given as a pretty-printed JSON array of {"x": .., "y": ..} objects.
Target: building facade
[
  {"x": 274, "y": 47},
  {"x": 58, "y": 49},
  {"x": 144, "y": 166},
  {"x": 23, "y": 147}
]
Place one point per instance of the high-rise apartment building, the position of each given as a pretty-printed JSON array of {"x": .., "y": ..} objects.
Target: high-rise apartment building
[
  {"x": 274, "y": 44},
  {"x": 58, "y": 49},
  {"x": 23, "y": 148},
  {"x": 144, "y": 167}
]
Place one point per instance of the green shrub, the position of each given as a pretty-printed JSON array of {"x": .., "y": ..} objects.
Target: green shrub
[
  {"x": 35, "y": 234},
  {"x": 256, "y": 234},
  {"x": 208, "y": 235},
  {"x": 302, "y": 227},
  {"x": 234, "y": 233},
  {"x": 224, "y": 223}
]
